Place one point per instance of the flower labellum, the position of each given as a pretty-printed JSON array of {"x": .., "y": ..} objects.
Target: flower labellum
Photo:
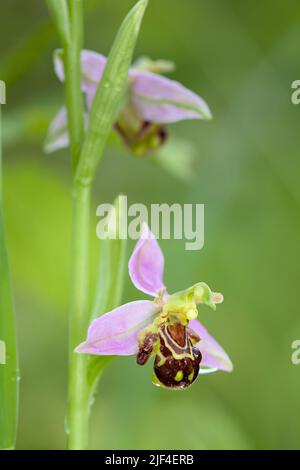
[
  {"x": 166, "y": 328},
  {"x": 177, "y": 360},
  {"x": 151, "y": 102}
]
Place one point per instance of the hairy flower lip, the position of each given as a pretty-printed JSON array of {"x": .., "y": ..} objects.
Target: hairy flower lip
[{"x": 118, "y": 332}]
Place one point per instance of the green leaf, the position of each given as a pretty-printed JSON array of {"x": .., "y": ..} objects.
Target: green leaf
[
  {"x": 109, "y": 289},
  {"x": 111, "y": 264},
  {"x": 8, "y": 359},
  {"x": 110, "y": 93}
]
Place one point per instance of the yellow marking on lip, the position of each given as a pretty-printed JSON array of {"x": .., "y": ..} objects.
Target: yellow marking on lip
[
  {"x": 179, "y": 376},
  {"x": 174, "y": 354},
  {"x": 162, "y": 360},
  {"x": 191, "y": 376}
]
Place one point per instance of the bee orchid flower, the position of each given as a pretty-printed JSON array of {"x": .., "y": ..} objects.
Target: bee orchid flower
[
  {"x": 151, "y": 102},
  {"x": 166, "y": 328}
]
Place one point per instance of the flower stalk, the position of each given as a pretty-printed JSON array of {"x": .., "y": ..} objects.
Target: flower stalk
[
  {"x": 69, "y": 20},
  {"x": 73, "y": 80},
  {"x": 78, "y": 402},
  {"x": 86, "y": 154}
]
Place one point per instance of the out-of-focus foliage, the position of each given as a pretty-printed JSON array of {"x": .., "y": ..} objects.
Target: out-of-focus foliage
[{"x": 242, "y": 57}]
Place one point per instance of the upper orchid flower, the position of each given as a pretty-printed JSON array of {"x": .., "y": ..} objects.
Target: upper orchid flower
[
  {"x": 165, "y": 327},
  {"x": 151, "y": 102}
]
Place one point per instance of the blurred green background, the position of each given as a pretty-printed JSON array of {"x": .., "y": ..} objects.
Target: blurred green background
[{"x": 241, "y": 57}]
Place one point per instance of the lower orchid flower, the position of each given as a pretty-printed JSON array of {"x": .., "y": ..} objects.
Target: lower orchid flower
[
  {"x": 166, "y": 327},
  {"x": 151, "y": 102}
]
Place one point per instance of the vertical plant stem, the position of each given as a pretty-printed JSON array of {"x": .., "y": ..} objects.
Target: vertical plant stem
[
  {"x": 74, "y": 97},
  {"x": 8, "y": 353},
  {"x": 68, "y": 17},
  {"x": 78, "y": 402}
]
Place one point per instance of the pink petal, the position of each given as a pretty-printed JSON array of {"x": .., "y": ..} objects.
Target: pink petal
[
  {"x": 92, "y": 66},
  {"x": 59, "y": 66},
  {"x": 90, "y": 94},
  {"x": 161, "y": 100},
  {"x": 213, "y": 355},
  {"x": 58, "y": 135},
  {"x": 146, "y": 265},
  {"x": 116, "y": 332}
]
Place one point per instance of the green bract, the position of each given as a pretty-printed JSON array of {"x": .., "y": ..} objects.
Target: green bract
[{"x": 109, "y": 94}]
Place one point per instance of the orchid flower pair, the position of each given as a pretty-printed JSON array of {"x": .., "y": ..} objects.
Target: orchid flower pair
[
  {"x": 166, "y": 327},
  {"x": 151, "y": 102}
]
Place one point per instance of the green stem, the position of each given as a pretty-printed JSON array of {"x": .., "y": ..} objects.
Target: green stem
[
  {"x": 85, "y": 158},
  {"x": 73, "y": 80},
  {"x": 8, "y": 353},
  {"x": 78, "y": 403},
  {"x": 69, "y": 20}
]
